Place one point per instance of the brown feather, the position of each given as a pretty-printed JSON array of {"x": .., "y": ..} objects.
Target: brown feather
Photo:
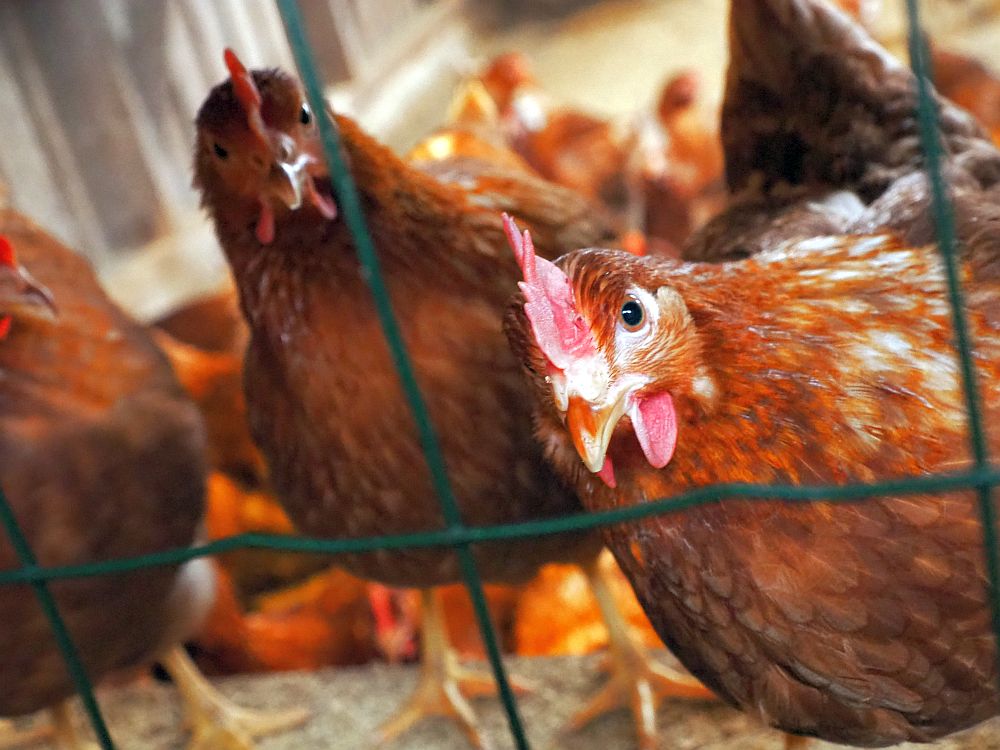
[{"x": 101, "y": 456}]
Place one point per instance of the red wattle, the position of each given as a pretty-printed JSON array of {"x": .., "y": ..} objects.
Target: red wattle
[
  {"x": 265, "y": 224},
  {"x": 655, "y": 423},
  {"x": 607, "y": 473}
]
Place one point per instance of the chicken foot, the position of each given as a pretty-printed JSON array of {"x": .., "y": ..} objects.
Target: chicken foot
[
  {"x": 216, "y": 722},
  {"x": 637, "y": 680},
  {"x": 444, "y": 683}
]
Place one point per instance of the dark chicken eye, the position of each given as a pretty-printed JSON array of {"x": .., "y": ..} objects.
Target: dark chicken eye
[
  {"x": 305, "y": 115},
  {"x": 220, "y": 151},
  {"x": 632, "y": 314}
]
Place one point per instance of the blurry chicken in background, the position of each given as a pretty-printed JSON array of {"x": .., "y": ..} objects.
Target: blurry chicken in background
[
  {"x": 328, "y": 412},
  {"x": 101, "y": 456},
  {"x": 556, "y": 613},
  {"x": 571, "y": 148},
  {"x": 659, "y": 171},
  {"x": 472, "y": 129},
  {"x": 970, "y": 84},
  {"x": 826, "y": 358}
]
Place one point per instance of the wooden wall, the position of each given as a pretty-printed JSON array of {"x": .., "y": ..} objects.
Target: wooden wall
[{"x": 97, "y": 98}]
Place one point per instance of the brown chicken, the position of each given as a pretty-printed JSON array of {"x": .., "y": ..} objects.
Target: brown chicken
[
  {"x": 822, "y": 361},
  {"x": 820, "y": 137},
  {"x": 825, "y": 358},
  {"x": 101, "y": 456},
  {"x": 325, "y": 404}
]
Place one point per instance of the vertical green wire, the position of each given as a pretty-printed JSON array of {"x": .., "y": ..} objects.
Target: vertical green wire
[
  {"x": 350, "y": 208},
  {"x": 71, "y": 656},
  {"x": 944, "y": 220}
]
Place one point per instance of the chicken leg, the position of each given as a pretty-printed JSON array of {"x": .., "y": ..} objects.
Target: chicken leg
[
  {"x": 637, "y": 680},
  {"x": 217, "y": 723},
  {"x": 444, "y": 683}
]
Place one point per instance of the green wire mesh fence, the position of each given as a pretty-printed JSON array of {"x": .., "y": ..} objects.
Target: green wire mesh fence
[{"x": 456, "y": 535}]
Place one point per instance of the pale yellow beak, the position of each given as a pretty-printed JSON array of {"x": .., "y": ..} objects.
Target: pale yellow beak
[
  {"x": 289, "y": 172},
  {"x": 591, "y": 428}
]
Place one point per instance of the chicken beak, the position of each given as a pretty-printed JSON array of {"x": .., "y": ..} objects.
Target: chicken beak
[
  {"x": 591, "y": 428},
  {"x": 21, "y": 296},
  {"x": 289, "y": 173}
]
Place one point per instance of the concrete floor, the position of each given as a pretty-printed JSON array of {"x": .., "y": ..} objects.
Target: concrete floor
[{"x": 349, "y": 704}]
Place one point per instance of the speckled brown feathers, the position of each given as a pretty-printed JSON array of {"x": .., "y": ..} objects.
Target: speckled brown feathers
[
  {"x": 101, "y": 456},
  {"x": 324, "y": 399},
  {"x": 829, "y": 361}
]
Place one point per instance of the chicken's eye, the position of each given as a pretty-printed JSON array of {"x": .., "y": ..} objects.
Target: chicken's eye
[
  {"x": 220, "y": 151},
  {"x": 632, "y": 314},
  {"x": 305, "y": 114}
]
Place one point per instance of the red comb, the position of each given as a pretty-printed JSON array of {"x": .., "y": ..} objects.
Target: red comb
[
  {"x": 6, "y": 252},
  {"x": 559, "y": 328},
  {"x": 6, "y": 259},
  {"x": 247, "y": 93}
]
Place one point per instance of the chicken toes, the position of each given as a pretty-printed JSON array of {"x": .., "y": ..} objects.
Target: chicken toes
[
  {"x": 216, "y": 723},
  {"x": 444, "y": 683},
  {"x": 637, "y": 681}
]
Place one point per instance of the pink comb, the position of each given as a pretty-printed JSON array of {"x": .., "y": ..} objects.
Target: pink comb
[
  {"x": 6, "y": 252},
  {"x": 559, "y": 329},
  {"x": 247, "y": 93}
]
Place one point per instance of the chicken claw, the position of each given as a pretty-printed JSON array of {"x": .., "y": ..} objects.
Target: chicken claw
[
  {"x": 637, "y": 680},
  {"x": 444, "y": 683},
  {"x": 216, "y": 722}
]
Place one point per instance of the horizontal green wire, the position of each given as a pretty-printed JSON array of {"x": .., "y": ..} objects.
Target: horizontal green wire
[
  {"x": 845, "y": 493},
  {"x": 350, "y": 208}
]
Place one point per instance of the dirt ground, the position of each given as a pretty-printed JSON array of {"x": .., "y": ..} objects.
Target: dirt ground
[{"x": 349, "y": 704}]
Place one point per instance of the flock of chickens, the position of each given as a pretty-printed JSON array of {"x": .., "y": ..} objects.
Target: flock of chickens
[{"x": 786, "y": 323}]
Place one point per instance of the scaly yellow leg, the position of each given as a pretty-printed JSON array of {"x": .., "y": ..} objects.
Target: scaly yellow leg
[
  {"x": 637, "y": 680},
  {"x": 443, "y": 684},
  {"x": 216, "y": 722}
]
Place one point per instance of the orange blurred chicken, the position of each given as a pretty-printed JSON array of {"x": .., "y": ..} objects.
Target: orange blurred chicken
[{"x": 556, "y": 613}]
